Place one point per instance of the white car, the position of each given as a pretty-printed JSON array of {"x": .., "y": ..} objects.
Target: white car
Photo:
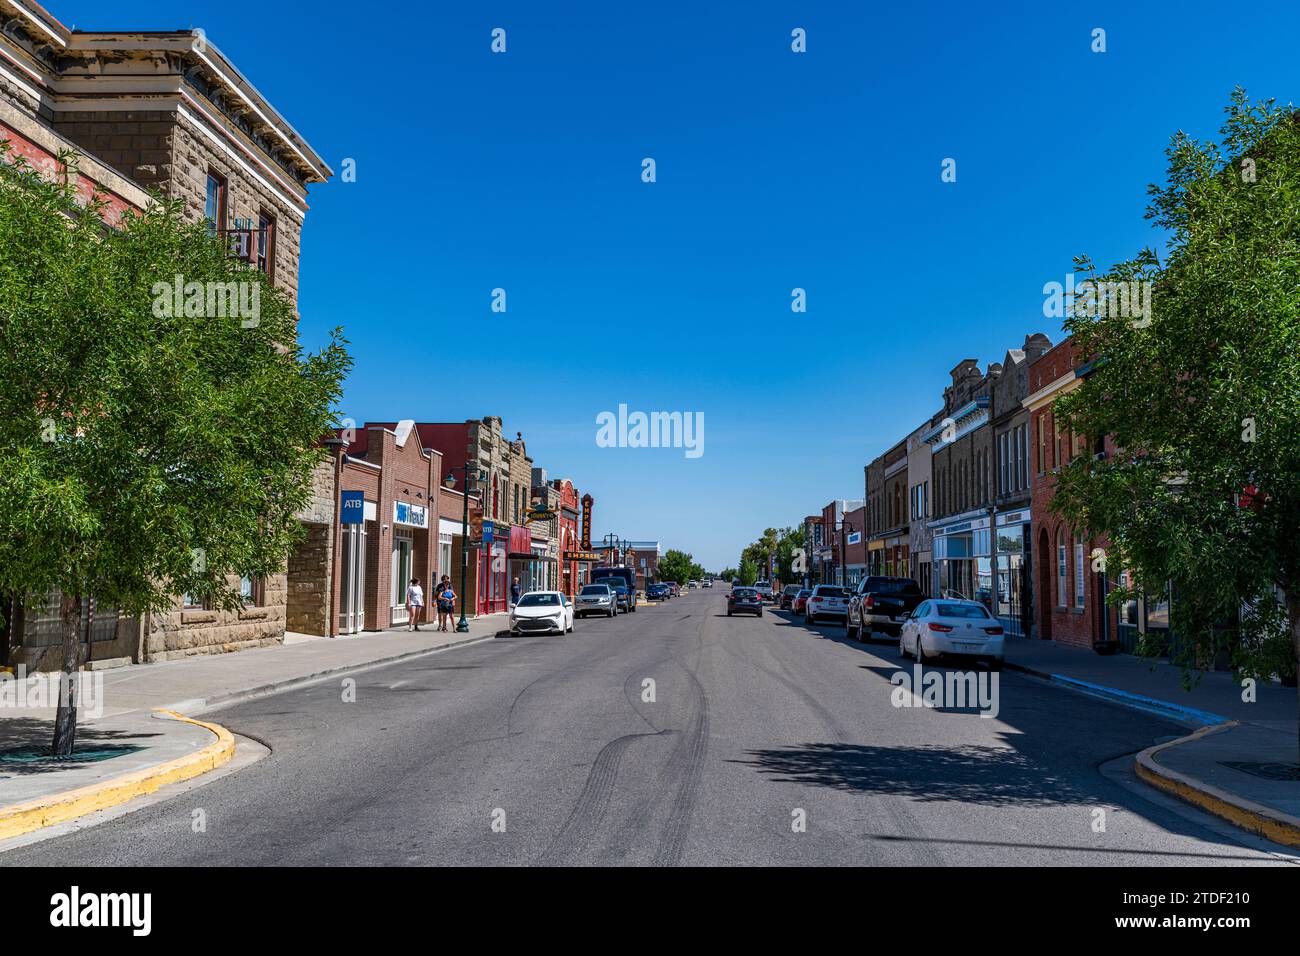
[
  {"x": 827, "y": 600},
  {"x": 960, "y": 628},
  {"x": 542, "y": 612}
]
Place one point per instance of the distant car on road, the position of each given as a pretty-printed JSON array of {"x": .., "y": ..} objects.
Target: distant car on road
[
  {"x": 542, "y": 612},
  {"x": 658, "y": 591},
  {"x": 708, "y": 583},
  {"x": 881, "y": 603},
  {"x": 596, "y": 599},
  {"x": 800, "y": 603},
  {"x": 788, "y": 594},
  {"x": 764, "y": 589},
  {"x": 957, "y": 628},
  {"x": 676, "y": 588},
  {"x": 744, "y": 601},
  {"x": 826, "y": 600},
  {"x": 692, "y": 584}
]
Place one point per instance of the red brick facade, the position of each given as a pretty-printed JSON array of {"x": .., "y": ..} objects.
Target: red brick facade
[{"x": 1068, "y": 599}]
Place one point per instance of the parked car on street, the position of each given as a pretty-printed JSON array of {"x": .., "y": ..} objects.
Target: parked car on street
[
  {"x": 957, "y": 628},
  {"x": 541, "y": 612},
  {"x": 596, "y": 599},
  {"x": 787, "y": 595},
  {"x": 800, "y": 603},
  {"x": 744, "y": 601},
  {"x": 658, "y": 591},
  {"x": 677, "y": 588},
  {"x": 826, "y": 600},
  {"x": 881, "y": 603},
  {"x": 764, "y": 589}
]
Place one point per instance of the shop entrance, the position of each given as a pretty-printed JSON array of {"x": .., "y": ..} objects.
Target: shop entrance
[
  {"x": 401, "y": 574},
  {"x": 352, "y": 596}
]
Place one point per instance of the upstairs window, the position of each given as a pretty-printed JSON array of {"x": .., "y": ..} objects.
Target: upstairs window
[{"x": 215, "y": 205}]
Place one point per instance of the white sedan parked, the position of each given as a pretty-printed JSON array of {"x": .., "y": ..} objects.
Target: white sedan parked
[
  {"x": 542, "y": 612},
  {"x": 960, "y": 628}
]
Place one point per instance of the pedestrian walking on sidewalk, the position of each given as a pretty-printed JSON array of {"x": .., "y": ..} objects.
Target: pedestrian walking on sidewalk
[
  {"x": 414, "y": 604},
  {"x": 446, "y": 603},
  {"x": 515, "y": 592}
]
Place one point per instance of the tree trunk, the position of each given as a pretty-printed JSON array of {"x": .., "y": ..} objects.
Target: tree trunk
[{"x": 65, "y": 720}]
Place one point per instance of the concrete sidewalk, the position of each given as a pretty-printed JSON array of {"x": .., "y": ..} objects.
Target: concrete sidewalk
[
  {"x": 127, "y": 740},
  {"x": 1241, "y": 762}
]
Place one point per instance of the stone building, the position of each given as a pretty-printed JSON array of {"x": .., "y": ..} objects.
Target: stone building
[
  {"x": 961, "y": 449},
  {"x": 919, "y": 506},
  {"x": 163, "y": 111},
  {"x": 1012, "y": 488}
]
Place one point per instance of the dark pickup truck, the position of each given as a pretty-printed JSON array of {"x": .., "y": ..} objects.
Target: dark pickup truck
[{"x": 880, "y": 604}]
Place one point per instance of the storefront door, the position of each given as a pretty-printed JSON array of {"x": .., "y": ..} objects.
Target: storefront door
[
  {"x": 352, "y": 599},
  {"x": 401, "y": 574}
]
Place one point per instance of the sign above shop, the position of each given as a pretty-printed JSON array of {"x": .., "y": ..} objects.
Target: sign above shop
[
  {"x": 414, "y": 516},
  {"x": 352, "y": 507},
  {"x": 581, "y": 556}
]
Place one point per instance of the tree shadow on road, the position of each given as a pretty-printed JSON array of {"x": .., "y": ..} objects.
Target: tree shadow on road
[{"x": 965, "y": 773}]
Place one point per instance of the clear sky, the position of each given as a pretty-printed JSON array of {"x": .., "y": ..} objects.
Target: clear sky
[{"x": 775, "y": 170}]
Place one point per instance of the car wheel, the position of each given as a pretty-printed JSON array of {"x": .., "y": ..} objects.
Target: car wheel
[
  {"x": 902, "y": 648},
  {"x": 921, "y": 656},
  {"x": 728, "y": 614},
  {"x": 854, "y": 633}
]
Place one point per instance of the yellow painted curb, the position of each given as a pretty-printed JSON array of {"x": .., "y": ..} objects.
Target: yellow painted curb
[
  {"x": 1253, "y": 817},
  {"x": 21, "y": 818}
]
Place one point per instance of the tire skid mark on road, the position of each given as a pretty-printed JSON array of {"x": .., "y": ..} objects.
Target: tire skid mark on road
[
  {"x": 898, "y": 814},
  {"x": 577, "y": 834},
  {"x": 687, "y": 763}
]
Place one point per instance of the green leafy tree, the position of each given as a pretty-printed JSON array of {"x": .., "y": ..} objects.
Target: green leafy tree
[
  {"x": 1203, "y": 400},
  {"x": 676, "y": 566},
  {"x": 147, "y": 453},
  {"x": 727, "y": 574},
  {"x": 748, "y": 572}
]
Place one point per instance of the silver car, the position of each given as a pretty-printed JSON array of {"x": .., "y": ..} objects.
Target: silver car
[{"x": 596, "y": 599}]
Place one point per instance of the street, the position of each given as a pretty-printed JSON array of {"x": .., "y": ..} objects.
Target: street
[{"x": 760, "y": 741}]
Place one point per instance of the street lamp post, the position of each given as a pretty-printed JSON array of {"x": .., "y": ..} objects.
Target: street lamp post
[{"x": 462, "y": 625}]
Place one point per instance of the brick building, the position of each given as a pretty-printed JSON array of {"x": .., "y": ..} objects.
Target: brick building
[
  {"x": 400, "y": 481},
  {"x": 165, "y": 111},
  {"x": 1069, "y": 597},
  {"x": 855, "y": 545},
  {"x": 888, "y": 541},
  {"x": 643, "y": 557}
]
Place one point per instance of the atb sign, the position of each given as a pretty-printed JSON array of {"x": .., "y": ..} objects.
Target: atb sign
[{"x": 352, "y": 507}]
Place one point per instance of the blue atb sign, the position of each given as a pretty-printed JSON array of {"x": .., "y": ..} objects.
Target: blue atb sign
[{"x": 352, "y": 507}]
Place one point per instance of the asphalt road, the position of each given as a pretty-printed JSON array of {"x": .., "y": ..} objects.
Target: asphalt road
[{"x": 754, "y": 725}]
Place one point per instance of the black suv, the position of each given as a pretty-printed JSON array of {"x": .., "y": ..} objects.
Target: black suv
[
  {"x": 881, "y": 604},
  {"x": 788, "y": 595}
]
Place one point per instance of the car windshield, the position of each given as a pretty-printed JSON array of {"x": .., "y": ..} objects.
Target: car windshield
[
  {"x": 595, "y": 589},
  {"x": 539, "y": 600},
  {"x": 744, "y": 592},
  {"x": 970, "y": 611},
  {"x": 826, "y": 591},
  {"x": 804, "y": 593}
]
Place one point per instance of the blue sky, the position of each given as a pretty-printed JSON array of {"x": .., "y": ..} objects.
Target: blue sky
[{"x": 775, "y": 170}]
